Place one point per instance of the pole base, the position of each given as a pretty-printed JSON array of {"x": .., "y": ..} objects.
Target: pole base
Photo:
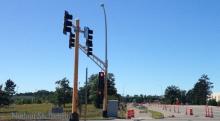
[
  {"x": 105, "y": 114},
  {"x": 74, "y": 117}
]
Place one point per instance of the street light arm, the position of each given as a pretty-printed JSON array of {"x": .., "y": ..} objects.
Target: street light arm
[{"x": 106, "y": 36}]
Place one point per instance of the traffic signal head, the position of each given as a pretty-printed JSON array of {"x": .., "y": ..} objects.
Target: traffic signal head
[
  {"x": 90, "y": 32},
  {"x": 89, "y": 43},
  {"x": 101, "y": 80},
  {"x": 89, "y": 51},
  {"x": 67, "y": 15},
  {"x": 101, "y": 75},
  {"x": 101, "y": 83},
  {"x": 67, "y": 22},
  {"x": 88, "y": 35},
  {"x": 71, "y": 40}
]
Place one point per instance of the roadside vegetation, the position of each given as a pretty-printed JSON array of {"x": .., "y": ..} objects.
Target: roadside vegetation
[
  {"x": 5, "y": 112},
  {"x": 198, "y": 95},
  {"x": 156, "y": 115},
  {"x": 122, "y": 111},
  {"x": 44, "y": 101}
]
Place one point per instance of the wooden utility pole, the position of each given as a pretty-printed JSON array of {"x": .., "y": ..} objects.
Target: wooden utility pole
[{"x": 75, "y": 116}]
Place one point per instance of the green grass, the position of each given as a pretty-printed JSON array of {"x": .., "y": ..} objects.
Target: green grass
[
  {"x": 122, "y": 113},
  {"x": 31, "y": 108},
  {"x": 142, "y": 109},
  {"x": 156, "y": 115},
  {"x": 92, "y": 112},
  {"x": 5, "y": 112}
]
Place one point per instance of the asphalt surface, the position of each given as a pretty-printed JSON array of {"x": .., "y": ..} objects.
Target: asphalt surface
[
  {"x": 179, "y": 112},
  {"x": 175, "y": 113}
]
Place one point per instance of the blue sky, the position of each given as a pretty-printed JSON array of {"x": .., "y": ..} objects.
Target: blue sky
[{"x": 152, "y": 43}]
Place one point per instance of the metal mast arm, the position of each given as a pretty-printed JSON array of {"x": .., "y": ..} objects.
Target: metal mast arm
[{"x": 94, "y": 58}]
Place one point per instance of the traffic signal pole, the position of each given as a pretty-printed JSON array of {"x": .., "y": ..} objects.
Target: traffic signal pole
[
  {"x": 105, "y": 103},
  {"x": 75, "y": 116},
  {"x": 105, "y": 100},
  {"x": 74, "y": 42}
]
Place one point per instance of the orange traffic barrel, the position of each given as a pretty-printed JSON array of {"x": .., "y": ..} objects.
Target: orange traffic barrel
[
  {"x": 132, "y": 113},
  {"x": 191, "y": 111}
]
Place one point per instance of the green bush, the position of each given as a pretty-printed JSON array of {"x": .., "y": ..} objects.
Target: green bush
[
  {"x": 156, "y": 115},
  {"x": 27, "y": 101},
  {"x": 38, "y": 101},
  {"x": 212, "y": 102},
  {"x": 218, "y": 103}
]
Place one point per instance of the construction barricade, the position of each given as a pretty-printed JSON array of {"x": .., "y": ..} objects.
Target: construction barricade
[
  {"x": 208, "y": 112},
  {"x": 189, "y": 111},
  {"x": 176, "y": 108},
  {"x": 130, "y": 114}
]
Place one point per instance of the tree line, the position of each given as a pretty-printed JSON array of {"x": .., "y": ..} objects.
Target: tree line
[
  {"x": 62, "y": 94},
  {"x": 141, "y": 98},
  {"x": 7, "y": 93},
  {"x": 198, "y": 95}
]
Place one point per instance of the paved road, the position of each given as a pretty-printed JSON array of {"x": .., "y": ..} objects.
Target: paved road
[
  {"x": 178, "y": 115},
  {"x": 166, "y": 119},
  {"x": 198, "y": 112},
  {"x": 159, "y": 120},
  {"x": 139, "y": 114}
]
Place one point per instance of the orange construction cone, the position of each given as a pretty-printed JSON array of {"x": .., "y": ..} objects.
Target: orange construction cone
[
  {"x": 129, "y": 114},
  {"x": 191, "y": 111},
  {"x": 132, "y": 113}
]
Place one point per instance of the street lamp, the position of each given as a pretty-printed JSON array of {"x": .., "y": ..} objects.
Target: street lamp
[{"x": 104, "y": 113}]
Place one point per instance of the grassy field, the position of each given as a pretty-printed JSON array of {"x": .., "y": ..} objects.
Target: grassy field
[{"x": 5, "y": 113}]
